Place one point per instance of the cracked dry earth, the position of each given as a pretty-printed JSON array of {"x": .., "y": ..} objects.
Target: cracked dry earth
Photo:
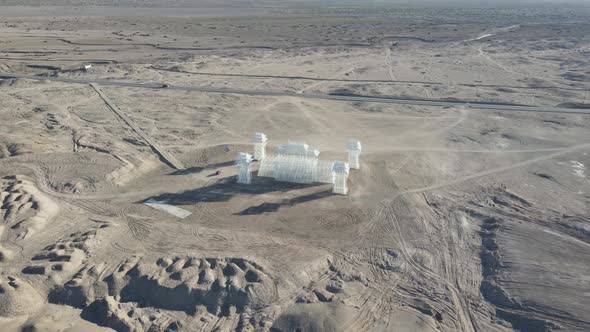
[{"x": 459, "y": 219}]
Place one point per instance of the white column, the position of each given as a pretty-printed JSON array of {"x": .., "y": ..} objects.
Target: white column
[
  {"x": 243, "y": 164},
  {"x": 340, "y": 170},
  {"x": 259, "y": 142},
  {"x": 354, "y": 151}
]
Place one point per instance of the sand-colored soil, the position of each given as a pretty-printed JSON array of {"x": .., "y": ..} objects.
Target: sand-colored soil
[{"x": 459, "y": 219}]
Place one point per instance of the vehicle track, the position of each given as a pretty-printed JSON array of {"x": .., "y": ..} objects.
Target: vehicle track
[
  {"x": 461, "y": 307},
  {"x": 308, "y": 78},
  {"x": 163, "y": 154},
  {"x": 389, "y": 65},
  {"x": 90, "y": 206},
  {"x": 492, "y": 171},
  {"x": 473, "y": 104}
]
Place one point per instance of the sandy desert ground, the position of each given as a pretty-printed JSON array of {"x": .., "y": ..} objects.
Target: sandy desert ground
[{"x": 461, "y": 218}]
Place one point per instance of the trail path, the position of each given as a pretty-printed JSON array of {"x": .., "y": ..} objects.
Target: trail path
[{"x": 160, "y": 151}]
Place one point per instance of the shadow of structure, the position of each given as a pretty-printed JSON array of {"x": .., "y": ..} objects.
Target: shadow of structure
[
  {"x": 274, "y": 207},
  {"x": 227, "y": 188},
  {"x": 197, "y": 169}
]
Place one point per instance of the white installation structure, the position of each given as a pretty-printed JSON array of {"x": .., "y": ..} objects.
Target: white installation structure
[
  {"x": 340, "y": 170},
  {"x": 243, "y": 164},
  {"x": 296, "y": 162},
  {"x": 354, "y": 152},
  {"x": 259, "y": 142}
]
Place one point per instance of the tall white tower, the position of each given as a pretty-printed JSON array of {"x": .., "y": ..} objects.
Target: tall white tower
[
  {"x": 243, "y": 163},
  {"x": 340, "y": 170},
  {"x": 354, "y": 152},
  {"x": 259, "y": 142}
]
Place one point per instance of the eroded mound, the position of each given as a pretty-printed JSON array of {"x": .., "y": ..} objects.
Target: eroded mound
[
  {"x": 217, "y": 286},
  {"x": 62, "y": 259},
  {"x": 213, "y": 156},
  {"x": 26, "y": 209},
  {"x": 17, "y": 297},
  {"x": 14, "y": 149},
  {"x": 313, "y": 317}
]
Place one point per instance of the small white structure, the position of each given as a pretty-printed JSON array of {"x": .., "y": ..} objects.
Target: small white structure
[
  {"x": 87, "y": 67},
  {"x": 243, "y": 164},
  {"x": 340, "y": 170},
  {"x": 259, "y": 142},
  {"x": 163, "y": 206},
  {"x": 354, "y": 152}
]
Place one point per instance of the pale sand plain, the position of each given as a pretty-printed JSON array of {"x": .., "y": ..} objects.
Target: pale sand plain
[{"x": 460, "y": 219}]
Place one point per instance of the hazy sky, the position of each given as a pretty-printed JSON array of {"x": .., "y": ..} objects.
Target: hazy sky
[
  {"x": 285, "y": 3},
  {"x": 437, "y": 2}
]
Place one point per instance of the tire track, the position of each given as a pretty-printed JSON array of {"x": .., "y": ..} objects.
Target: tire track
[
  {"x": 459, "y": 305},
  {"x": 474, "y": 104},
  {"x": 389, "y": 65},
  {"x": 163, "y": 154}
]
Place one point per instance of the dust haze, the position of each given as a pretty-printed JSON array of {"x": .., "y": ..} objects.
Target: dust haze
[{"x": 469, "y": 212}]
